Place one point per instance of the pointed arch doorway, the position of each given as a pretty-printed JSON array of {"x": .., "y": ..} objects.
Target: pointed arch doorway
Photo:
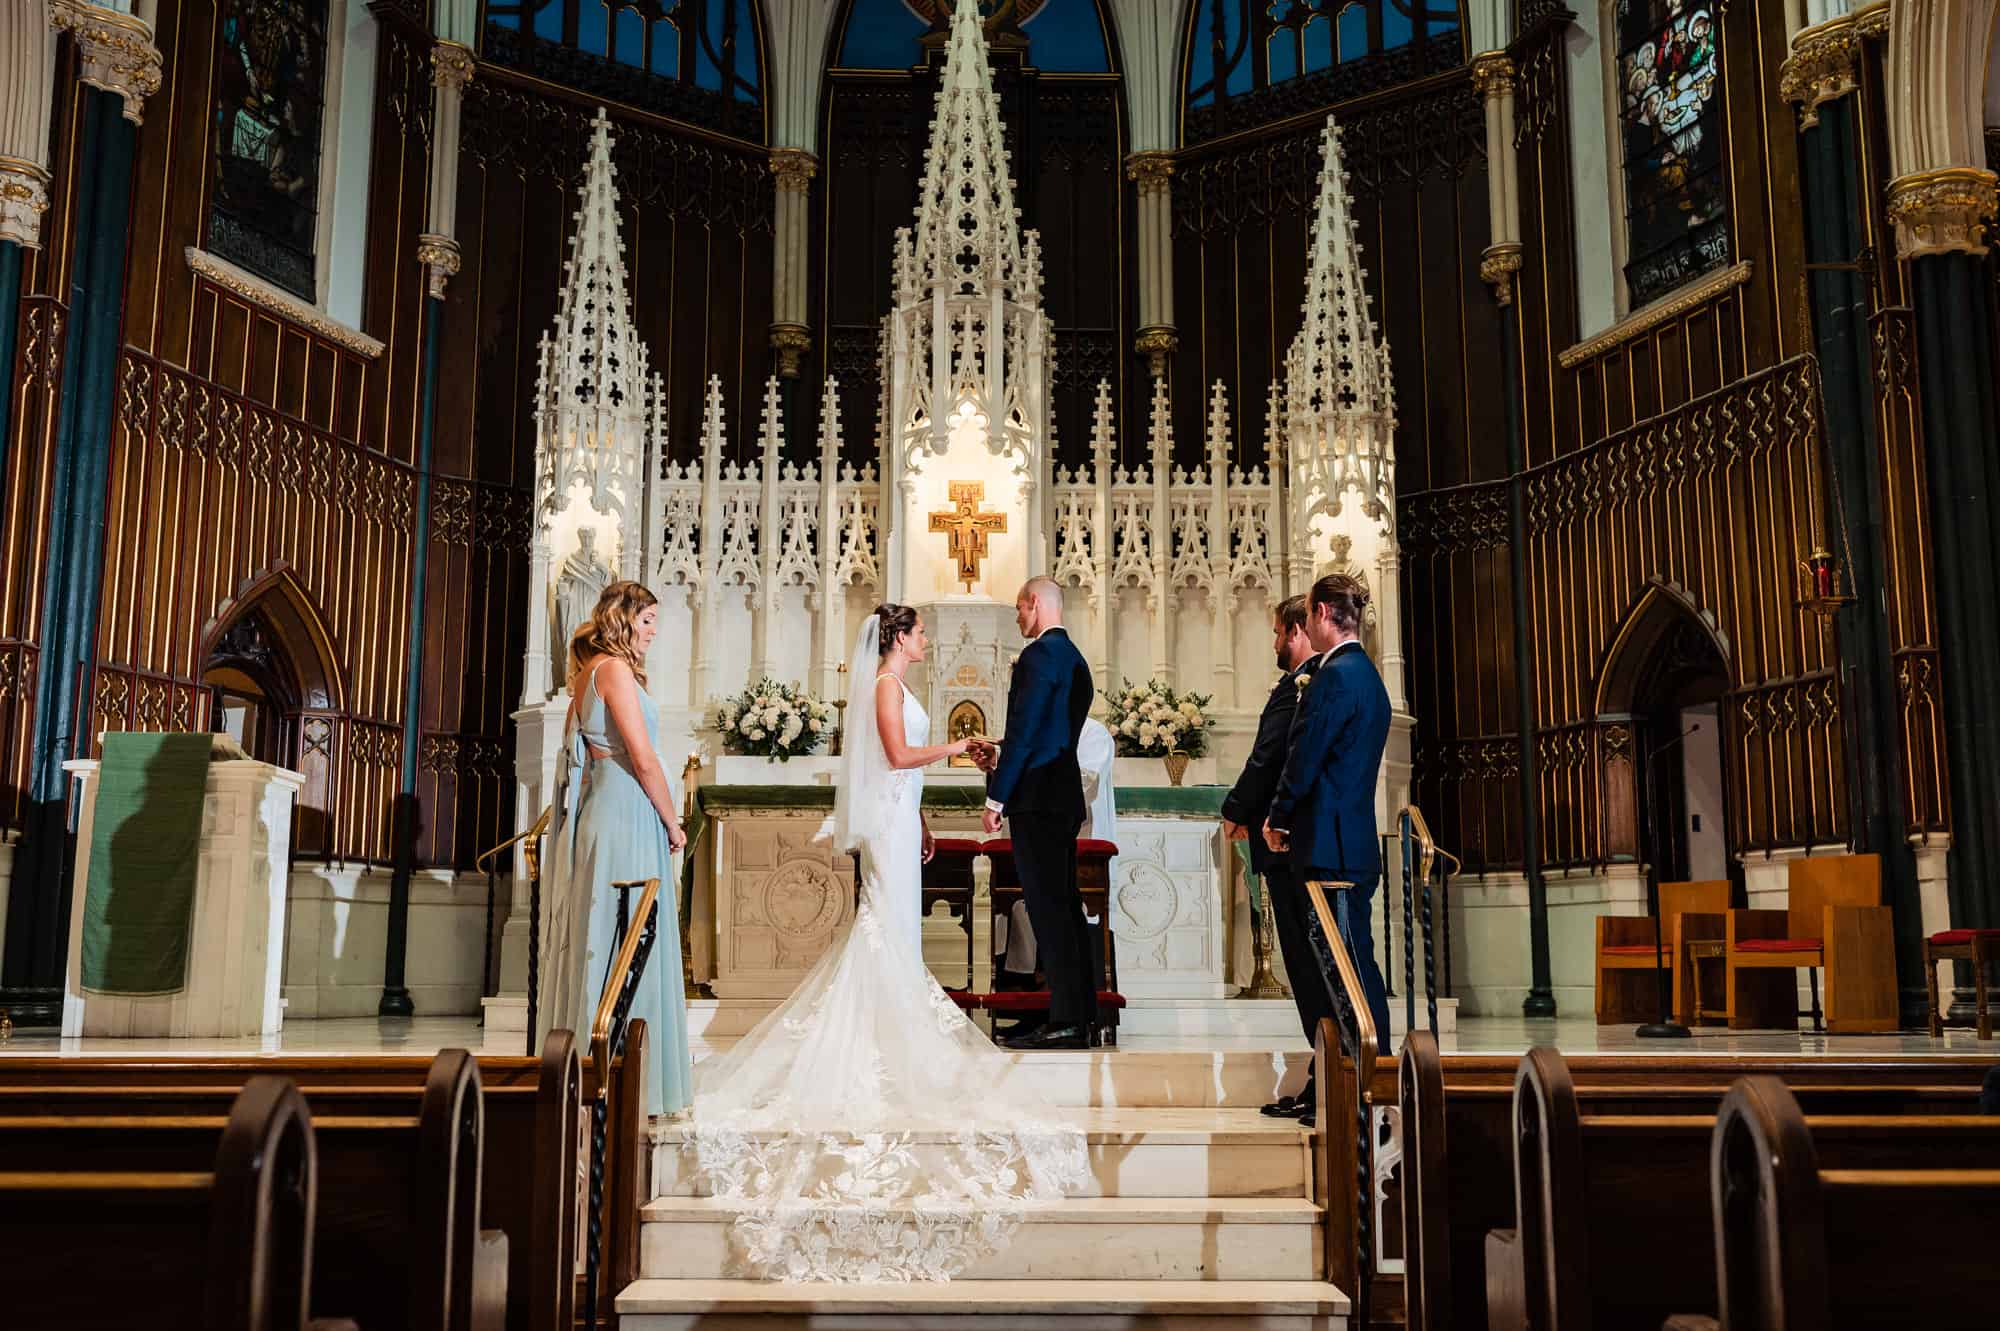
[
  {"x": 1660, "y": 705},
  {"x": 269, "y": 681}
]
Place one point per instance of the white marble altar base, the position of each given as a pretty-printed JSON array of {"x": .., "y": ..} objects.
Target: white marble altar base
[{"x": 237, "y": 935}]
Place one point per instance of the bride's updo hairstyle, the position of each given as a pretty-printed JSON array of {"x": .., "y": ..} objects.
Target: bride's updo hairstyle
[
  {"x": 896, "y": 621},
  {"x": 609, "y": 630}
]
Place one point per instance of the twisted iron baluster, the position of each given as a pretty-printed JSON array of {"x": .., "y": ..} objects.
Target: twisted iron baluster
[
  {"x": 1444, "y": 914},
  {"x": 1409, "y": 932},
  {"x": 1388, "y": 934},
  {"x": 621, "y": 1012},
  {"x": 1430, "y": 963},
  {"x": 486, "y": 952},
  {"x": 593, "y": 1257},
  {"x": 534, "y": 953}
]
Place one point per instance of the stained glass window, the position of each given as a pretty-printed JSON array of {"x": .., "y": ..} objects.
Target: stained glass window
[
  {"x": 270, "y": 101},
  {"x": 1670, "y": 113},
  {"x": 692, "y": 59}
]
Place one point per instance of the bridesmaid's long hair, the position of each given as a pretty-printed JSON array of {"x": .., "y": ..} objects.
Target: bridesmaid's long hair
[
  {"x": 608, "y": 631},
  {"x": 896, "y": 621}
]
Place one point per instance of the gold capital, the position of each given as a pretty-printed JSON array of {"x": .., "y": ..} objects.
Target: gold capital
[
  {"x": 1492, "y": 74},
  {"x": 1943, "y": 212},
  {"x": 1821, "y": 68},
  {"x": 794, "y": 168},
  {"x": 452, "y": 65},
  {"x": 1497, "y": 267},
  {"x": 1153, "y": 170}
]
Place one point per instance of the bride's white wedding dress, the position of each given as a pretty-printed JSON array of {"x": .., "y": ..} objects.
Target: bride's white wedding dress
[{"x": 865, "y": 1130}]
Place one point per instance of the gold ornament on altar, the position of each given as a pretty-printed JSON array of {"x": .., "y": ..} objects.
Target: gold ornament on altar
[
  {"x": 967, "y": 527},
  {"x": 967, "y": 721}
]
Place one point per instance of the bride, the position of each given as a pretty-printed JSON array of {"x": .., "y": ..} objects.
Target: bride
[{"x": 865, "y": 1130}]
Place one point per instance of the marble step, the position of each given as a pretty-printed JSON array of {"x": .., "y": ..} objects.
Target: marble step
[
  {"x": 1268, "y": 1018},
  {"x": 985, "y": 1305},
  {"x": 1077, "y": 1238},
  {"x": 1133, "y": 1153},
  {"x": 1243, "y": 1076}
]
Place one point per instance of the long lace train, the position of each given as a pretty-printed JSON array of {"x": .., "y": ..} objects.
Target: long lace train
[{"x": 866, "y": 1131}]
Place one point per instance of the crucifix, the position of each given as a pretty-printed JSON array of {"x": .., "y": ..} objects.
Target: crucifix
[{"x": 967, "y": 528}]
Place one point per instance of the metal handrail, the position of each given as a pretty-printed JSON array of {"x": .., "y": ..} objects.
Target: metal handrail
[
  {"x": 1421, "y": 854},
  {"x": 618, "y": 980},
  {"x": 532, "y": 854}
]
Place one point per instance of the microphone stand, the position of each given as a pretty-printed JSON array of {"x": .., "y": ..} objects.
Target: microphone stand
[{"x": 1663, "y": 1026}]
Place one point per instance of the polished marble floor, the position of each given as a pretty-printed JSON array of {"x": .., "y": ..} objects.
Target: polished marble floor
[{"x": 1476, "y": 1035}]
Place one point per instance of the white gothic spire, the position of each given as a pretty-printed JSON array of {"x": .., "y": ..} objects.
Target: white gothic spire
[
  {"x": 1340, "y": 404},
  {"x": 591, "y": 403},
  {"x": 968, "y": 232}
]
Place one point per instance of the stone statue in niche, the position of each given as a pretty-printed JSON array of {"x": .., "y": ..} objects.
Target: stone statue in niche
[{"x": 583, "y": 577}]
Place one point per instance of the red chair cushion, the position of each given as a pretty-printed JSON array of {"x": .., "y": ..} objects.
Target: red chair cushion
[
  {"x": 968, "y": 1001},
  {"x": 1633, "y": 950},
  {"x": 953, "y": 845},
  {"x": 1038, "y": 1000},
  {"x": 1950, "y": 936},
  {"x": 1777, "y": 945},
  {"x": 1093, "y": 846},
  {"x": 997, "y": 846}
]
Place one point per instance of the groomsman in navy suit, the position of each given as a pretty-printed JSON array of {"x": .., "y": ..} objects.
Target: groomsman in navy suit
[
  {"x": 1243, "y": 813},
  {"x": 1037, "y": 785},
  {"x": 1324, "y": 811}
]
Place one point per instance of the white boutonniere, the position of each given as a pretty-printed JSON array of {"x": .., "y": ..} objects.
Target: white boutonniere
[{"x": 1303, "y": 680}]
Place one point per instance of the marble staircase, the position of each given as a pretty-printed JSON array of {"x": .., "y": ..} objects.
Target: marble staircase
[{"x": 1199, "y": 1214}]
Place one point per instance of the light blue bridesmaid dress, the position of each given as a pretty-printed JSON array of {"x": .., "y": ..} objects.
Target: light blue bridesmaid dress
[{"x": 609, "y": 832}]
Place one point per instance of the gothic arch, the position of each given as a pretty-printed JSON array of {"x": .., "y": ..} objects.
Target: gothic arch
[
  {"x": 295, "y": 620},
  {"x": 1661, "y": 610}
]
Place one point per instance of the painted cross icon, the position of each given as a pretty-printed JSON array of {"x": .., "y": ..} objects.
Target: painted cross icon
[{"x": 967, "y": 528}]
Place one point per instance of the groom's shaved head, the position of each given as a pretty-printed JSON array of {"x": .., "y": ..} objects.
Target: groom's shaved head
[
  {"x": 1038, "y": 606},
  {"x": 1047, "y": 594}
]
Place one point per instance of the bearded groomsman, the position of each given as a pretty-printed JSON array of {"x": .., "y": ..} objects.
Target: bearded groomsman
[
  {"x": 1324, "y": 809},
  {"x": 1243, "y": 814}
]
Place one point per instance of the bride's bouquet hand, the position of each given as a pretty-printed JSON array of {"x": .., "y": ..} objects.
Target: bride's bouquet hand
[{"x": 930, "y": 844}]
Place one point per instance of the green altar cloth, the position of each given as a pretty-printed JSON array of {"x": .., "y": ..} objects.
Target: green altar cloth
[{"x": 145, "y": 846}]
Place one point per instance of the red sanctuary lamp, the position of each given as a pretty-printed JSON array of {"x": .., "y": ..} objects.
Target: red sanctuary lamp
[{"x": 1823, "y": 595}]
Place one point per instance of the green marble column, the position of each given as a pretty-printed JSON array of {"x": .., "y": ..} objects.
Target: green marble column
[
  {"x": 1842, "y": 305},
  {"x": 72, "y": 579}
]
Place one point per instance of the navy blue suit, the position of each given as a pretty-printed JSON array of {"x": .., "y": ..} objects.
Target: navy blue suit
[
  {"x": 1326, "y": 802},
  {"x": 1039, "y": 787},
  {"x": 1248, "y": 803}
]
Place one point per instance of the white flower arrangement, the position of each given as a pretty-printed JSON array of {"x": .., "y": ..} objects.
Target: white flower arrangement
[
  {"x": 1150, "y": 720},
  {"x": 772, "y": 720}
]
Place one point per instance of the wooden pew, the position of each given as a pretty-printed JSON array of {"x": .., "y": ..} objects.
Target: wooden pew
[
  {"x": 530, "y": 1110},
  {"x": 1458, "y": 1178},
  {"x": 1805, "y": 1245},
  {"x": 207, "y": 1228},
  {"x": 1615, "y": 1225}
]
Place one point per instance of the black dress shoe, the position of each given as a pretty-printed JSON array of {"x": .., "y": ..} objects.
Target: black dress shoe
[
  {"x": 1308, "y": 1120},
  {"x": 1054, "y": 1037},
  {"x": 1282, "y": 1107},
  {"x": 1025, "y": 1026}
]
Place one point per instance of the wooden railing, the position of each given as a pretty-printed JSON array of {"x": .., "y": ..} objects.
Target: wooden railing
[{"x": 1344, "y": 1052}]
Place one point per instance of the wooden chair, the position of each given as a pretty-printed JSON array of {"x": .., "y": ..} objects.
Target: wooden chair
[
  {"x": 1626, "y": 987},
  {"x": 948, "y": 878},
  {"x": 1093, "y": 882},
  {"x": 1805, "y": 1243},
  {"x": 1981, "y": 947},
  {"x": 1834, "y": 920}
]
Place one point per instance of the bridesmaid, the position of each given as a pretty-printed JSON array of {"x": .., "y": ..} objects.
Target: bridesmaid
[{"x": 616, "y": 822}]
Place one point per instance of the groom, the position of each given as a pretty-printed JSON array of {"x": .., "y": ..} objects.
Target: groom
[{"x": 1037, "y": 786}]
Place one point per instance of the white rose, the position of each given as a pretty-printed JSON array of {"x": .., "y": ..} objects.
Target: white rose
[
  {"x": 1190, "y": 711},
  {"x": 1195, "y": 722},
  {"x": 748, "y": 723},
  {"x": 772, "y": 715},
  {"x": 1148, "y": 733},
  {"x": 790, "y": 732},
  {"x": 1130, "y": 726},
  {"x": 756, "y": 734}
]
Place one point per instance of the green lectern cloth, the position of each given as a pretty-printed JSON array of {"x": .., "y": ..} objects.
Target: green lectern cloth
[{"x": 145, "y": 843}]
